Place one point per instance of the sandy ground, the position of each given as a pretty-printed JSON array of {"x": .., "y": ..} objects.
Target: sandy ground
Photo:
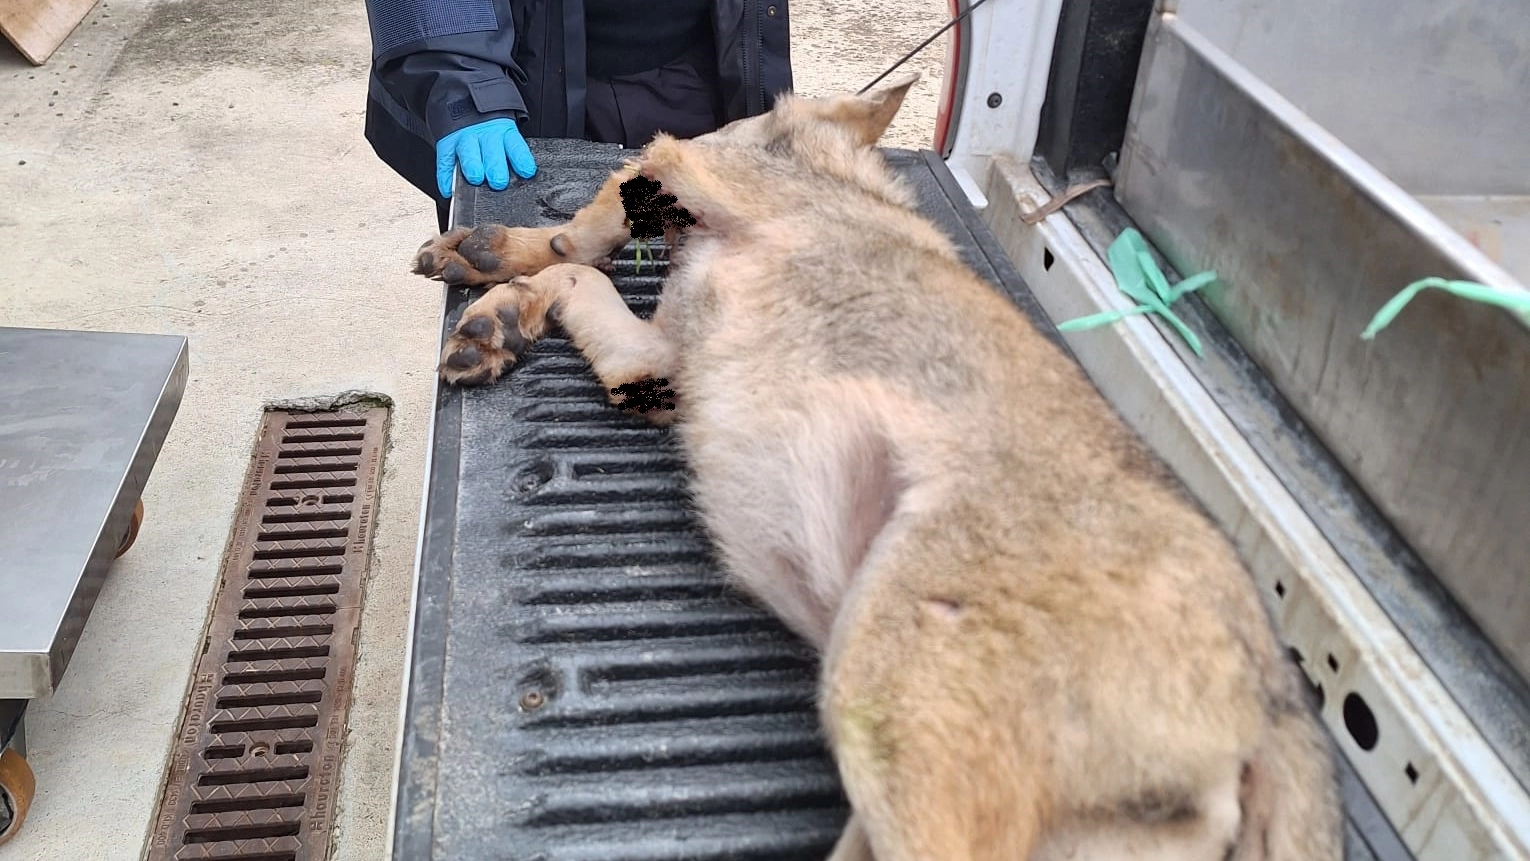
[{"x": 199, "y": 168}]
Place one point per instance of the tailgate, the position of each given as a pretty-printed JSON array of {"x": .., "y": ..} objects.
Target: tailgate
[{"x": 582, "y": 684}]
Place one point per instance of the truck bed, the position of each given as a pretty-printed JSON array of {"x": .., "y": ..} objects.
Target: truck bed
[{"x": 582, "y": 684}]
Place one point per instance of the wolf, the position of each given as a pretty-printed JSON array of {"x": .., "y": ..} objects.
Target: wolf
[{"x": 1034, "y": 644}]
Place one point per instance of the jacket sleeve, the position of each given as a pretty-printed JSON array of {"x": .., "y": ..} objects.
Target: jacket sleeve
[{"x": 447, "y": 62}]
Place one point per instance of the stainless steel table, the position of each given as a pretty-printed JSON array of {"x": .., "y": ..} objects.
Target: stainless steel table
[{"x": 82, "y": 418}]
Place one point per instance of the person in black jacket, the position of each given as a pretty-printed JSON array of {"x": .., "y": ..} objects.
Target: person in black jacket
[{"x": 465, "y": 82}]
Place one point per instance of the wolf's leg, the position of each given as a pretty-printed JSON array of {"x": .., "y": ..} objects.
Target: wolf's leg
[
  {"x": 937, "y": 763},
  {"x": 1207, "y": 832},
  {"x": 494, "y": 253},
  {"x": 622, "y": 349}
]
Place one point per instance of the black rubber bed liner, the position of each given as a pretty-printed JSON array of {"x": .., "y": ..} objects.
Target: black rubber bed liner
[{"x": 582, "y": 684}]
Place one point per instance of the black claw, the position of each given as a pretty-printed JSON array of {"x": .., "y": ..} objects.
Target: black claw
[
  {"x": 478, "y": 250},
  {"x": 477, "y": 328},
  {"x": 464, "y": 358},
  {"x": 454, "y": 273},
  {"x": 515, "y": 342}
]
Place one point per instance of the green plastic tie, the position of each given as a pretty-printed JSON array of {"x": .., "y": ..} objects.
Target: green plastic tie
[
  {"x": 1139, "y": 277},
  {"x": 637, "y": 256},
  {"x": 1518, "y": 303}
]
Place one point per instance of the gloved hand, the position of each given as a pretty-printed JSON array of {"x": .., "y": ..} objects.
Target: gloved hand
[{"x": 486, "y": 151}]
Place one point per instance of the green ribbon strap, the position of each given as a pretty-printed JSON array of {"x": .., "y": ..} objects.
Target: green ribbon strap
[
  {"x": 1518, "y": 303},
  {"x": 1139, "y": 277}
]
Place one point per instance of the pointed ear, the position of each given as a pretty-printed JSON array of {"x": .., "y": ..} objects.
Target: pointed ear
[{"x": 868, "y": 115}]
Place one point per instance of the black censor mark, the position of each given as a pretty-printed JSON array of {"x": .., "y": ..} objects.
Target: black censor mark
[
  {"x": 645, "y": 395},
  {"x": 650, "y": 211}
]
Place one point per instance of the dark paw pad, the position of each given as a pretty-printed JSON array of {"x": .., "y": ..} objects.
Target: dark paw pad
[
  {"x": 515, "y": 342},
  {"x": 477, "y": 328},
  {"x": 478, "y": 249},
  {"x": 464, "y": 358}
]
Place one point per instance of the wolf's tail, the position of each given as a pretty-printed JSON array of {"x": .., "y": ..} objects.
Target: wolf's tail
[{"x": 1290, "y": 796}]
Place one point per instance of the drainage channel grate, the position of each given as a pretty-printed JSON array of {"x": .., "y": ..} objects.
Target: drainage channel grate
[{"x": 257, "y": 760}]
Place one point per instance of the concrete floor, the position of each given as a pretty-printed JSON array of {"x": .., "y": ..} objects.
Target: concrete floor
[{"x": 198, "y": 168}]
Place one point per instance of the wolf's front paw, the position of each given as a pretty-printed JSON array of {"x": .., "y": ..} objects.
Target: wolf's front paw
[
  {"x": 487, "y": 255},
  {"x": 494, "y": 331}
]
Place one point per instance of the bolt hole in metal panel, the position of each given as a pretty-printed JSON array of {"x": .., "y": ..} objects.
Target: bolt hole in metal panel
[{"x": 257, "y": 758}]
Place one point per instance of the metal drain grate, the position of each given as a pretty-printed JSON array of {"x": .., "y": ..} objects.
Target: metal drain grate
[{"x": 257, "y": 760}]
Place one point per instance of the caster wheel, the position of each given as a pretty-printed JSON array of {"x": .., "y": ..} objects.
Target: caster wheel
[
  {"x": 17, "y": 784},
  {"x": 132, "y": 533}
]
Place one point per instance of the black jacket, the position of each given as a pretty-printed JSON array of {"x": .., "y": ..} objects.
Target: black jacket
[{"x": 442, "y": 65}]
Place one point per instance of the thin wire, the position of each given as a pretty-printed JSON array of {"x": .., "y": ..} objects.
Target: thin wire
[{"x": 922, "y": 45}]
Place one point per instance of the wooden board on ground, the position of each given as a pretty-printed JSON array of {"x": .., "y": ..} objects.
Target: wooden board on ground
[{"x": 38, "y": 27}]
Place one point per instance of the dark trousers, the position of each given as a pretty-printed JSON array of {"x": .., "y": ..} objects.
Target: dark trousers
[{"x": 682, "y": 98}]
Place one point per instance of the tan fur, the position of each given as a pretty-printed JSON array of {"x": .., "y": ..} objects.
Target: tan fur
[
  {"x": 493, "y": 254},
  {"x": 1035, "y": 646}
]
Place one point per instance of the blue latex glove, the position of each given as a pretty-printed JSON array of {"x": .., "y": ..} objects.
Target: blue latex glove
[{"x": 486, "y": 151}]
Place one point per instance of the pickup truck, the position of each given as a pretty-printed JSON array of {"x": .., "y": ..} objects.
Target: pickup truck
[{"x": 583, "y": 685}]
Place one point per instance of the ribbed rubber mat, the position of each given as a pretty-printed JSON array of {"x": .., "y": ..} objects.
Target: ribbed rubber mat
[
  {"x": 257, "y": 760},
  {"x": 606, "y": 696}
]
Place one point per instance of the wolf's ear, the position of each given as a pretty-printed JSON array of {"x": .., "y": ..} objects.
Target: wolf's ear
[{"x": 867, "y": 116}]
